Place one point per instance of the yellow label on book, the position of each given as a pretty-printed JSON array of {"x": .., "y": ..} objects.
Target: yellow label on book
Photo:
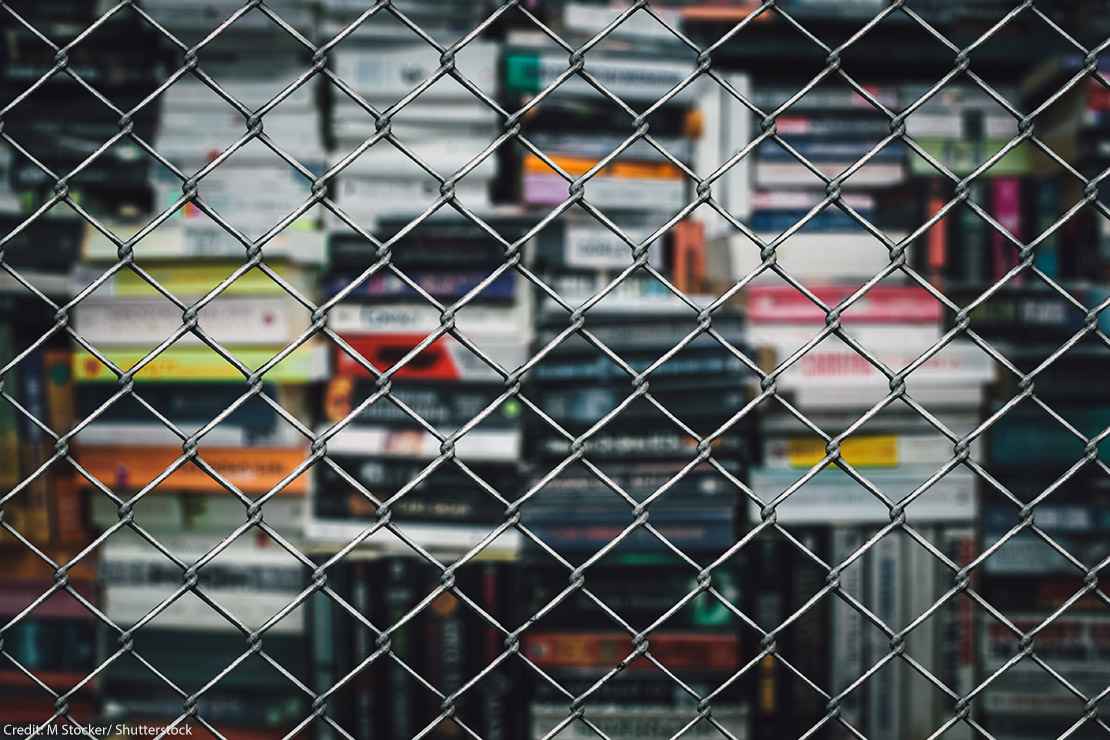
[
  {"x": 305, "y": 364},
  {"x": 875, "y": 451},
  {"x": 195, "y": 279}
]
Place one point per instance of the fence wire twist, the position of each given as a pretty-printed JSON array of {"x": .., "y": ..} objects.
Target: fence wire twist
[{"x": 254, "y": 256}]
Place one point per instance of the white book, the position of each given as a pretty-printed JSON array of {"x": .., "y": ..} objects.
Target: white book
[
  {"x": 252, "y": 582},
  {"x": 218, "y": 514},
  {"x": 435, "y": 537},
  {"x": 769, "y": 174},
  {"x": 197, "y": 239},
  {"x": 443, "y": 155},
  {"x": 253, "y": 91},
  {"x": 156, "y": 434},
  {"x": 590, "y": 19},
  {"x": 366, "y": 199},
  {"x": 49, "y": 283},
  {"x": 607, "y": 192},
  {"x": 835, "y": 364},
  {"x": 242, "y": 321},
  {"x": 814, "y": 256},
  {"x": 728, "y": 129},
  {"x": 847, "y": 626},
  {"x": 435, "y": 115},
  {"x": 632, "y": 78},
  {"x": 931, "y": 396},
  {"x": 392, "y": 71},
  {"x": 803, "y": 200},
  {"x": 628, "y": 721},
  {"x": 832, "y": 497},
  {"x": 785, "y": 339},
  {"x": 477, "y": 445},
  {"x": 951, "y": 125},
  {"x": 494, "y": 322}
]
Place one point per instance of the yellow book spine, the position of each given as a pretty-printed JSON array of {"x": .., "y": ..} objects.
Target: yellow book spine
[
  {"x": 197, "y": 279},
  {"x": 875, "y": 451},
  {"x": 306, "y": 364}
]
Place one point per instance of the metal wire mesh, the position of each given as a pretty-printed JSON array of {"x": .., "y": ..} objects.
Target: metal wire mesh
[{"x": 513, "y": 379}]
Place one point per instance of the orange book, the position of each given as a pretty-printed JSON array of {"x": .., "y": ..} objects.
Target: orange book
[
  {"x": 22, "y": 565},
  {"x": 253, "y": 470},
  {"x": 604, "y": 650},
  {"x": 577, "y": 166},
  {"x": 688, "y": 256}
]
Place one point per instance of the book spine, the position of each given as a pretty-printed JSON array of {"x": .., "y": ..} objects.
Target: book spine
[
  {"x": 937, "y": 241},
  {"x": 34, "y": 501},
  {"x": 400, "y": 594},
  {"x": 529, "y": 73},
  {"x": 364, "y": 698},
  {"x": 1006, "y": 209},
  {"x": 138, "y": 321},
  {"x": 768, "y": 608},
  {"x": 305, "y": 364},
  {"x": 444, "y": 359},
  {"x": 444, "y": 408},
  {"x": 251, "y": 469},
  {"x": 808, "y": 647},
  {"x": 689, "y": 651},
  {"x": 957, "y": 662},
  {"x": 439, "y": 285},
  {"x": 847, "y": 629},
  {"x": 883, "y": 705},
  {"x": 973, "y": 238},
  {"x": 1047, "y": 258}
]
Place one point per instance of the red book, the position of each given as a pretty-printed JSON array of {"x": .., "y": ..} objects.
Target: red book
[{"x": 882, "y": 304}]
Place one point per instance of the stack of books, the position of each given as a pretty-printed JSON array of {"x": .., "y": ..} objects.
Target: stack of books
[
  {"x": 636, "y": 463},
  {"x": 896, "y": 451},
  {"x": 203, "y": 633},
  {"x": 576, "y": 127},
  {"x": 436, "y": 133},
  {"x": 439, "y": 384},
  {"x": 1038, "y": 458},
  {"x": 440, "y": 640},
  {"x": 55, "y": 640},
  {"x": 49, "y": 631},
  {"x": 825, "y": 131},
  {"x": 693, "y": 649},
  {"x": 187, "y": 444}
]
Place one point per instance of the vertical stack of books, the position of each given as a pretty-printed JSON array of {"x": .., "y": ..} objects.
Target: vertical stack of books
[
  {"x": 831, "y": 127},
  {"x": 381, "y": 63},
  {"x": 49, "y": 634},
  {"x": 186, "y": 322},
  {"x": 639, "y": 461},
  {"x": 693, "y": 648},
  {"x": 897, "y": 452},
  {"x": 449, "y": 384},
  {"x": 1044, "y": 516}
]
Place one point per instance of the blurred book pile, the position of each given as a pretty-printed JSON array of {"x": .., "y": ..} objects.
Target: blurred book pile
[{"x": 462, "y": 333}]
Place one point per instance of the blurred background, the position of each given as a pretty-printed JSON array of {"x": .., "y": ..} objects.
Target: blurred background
[{"x": 512, "y": 392}]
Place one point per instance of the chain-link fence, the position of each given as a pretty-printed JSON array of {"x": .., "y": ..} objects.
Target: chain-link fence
[{"x": 440, "y": 369}]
